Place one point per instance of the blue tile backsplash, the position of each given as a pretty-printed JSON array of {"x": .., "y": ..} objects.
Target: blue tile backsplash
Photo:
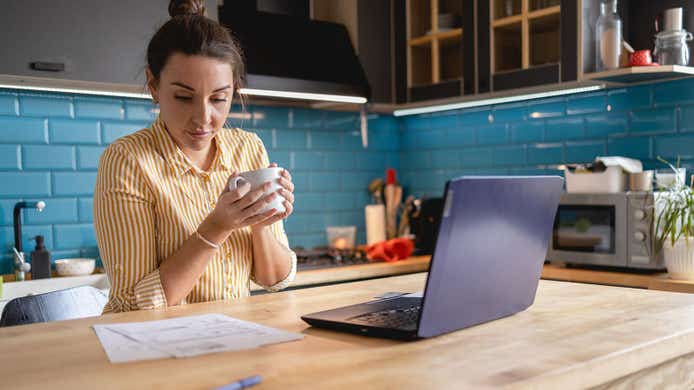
[
  {"x": 642, "y": 122},
  {"x": 50, "y": 145}
]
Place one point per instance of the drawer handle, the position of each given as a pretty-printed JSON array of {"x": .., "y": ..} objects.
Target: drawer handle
[{"x": 48, "y": 66}]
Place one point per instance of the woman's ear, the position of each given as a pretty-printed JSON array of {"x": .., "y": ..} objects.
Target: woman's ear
[{"x": 152, "y": 85}]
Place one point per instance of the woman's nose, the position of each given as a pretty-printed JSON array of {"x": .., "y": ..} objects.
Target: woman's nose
[{"x": 202, "y": 114}]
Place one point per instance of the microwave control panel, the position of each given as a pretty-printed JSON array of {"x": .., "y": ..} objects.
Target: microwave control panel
[{"x": 639, "y": 240}]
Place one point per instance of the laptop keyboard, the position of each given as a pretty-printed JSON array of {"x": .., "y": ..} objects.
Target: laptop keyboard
[{"x": 401, "y": 318}]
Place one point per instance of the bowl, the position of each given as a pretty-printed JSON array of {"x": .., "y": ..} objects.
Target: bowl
[{"x": 75, "y": 267}]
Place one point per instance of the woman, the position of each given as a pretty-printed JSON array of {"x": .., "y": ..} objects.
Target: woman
[{"x": 169, "y": 232}]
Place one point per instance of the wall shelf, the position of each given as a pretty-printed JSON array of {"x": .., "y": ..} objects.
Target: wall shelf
[
  {"x": 507, "y": 20},
  {"x": 639, "y": 74},
  {"x": 441, "y": 36},
  {"x": 554, "y": 10}
]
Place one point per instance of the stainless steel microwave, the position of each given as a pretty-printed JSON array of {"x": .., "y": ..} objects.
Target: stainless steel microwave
[{"x": 606, "y": 230}]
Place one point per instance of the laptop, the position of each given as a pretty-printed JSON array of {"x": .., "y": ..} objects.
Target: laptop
[{"x": 486, "y": 264}]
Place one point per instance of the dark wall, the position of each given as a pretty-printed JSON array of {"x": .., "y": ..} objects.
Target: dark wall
[{"x": 301, "y": 8}]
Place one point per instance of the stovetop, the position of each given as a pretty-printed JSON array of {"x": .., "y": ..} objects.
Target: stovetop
[{"x": 324, "y": 257}]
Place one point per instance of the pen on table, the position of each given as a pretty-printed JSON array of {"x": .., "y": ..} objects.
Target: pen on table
[{"x": 242, "y": 383}]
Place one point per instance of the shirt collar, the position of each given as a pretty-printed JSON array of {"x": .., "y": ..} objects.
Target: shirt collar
[
  {"x": 223, "y": 153},
  {"x": 178, "y": 161}
]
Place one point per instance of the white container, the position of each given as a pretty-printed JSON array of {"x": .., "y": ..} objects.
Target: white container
[
  {"x": 672, "y": 19},
  {"x": 75, "y": 267},
  {"x": 679, "y": 260},
  {"x": 375, "y": 215},
  {"x": 665, "y": 179},
  {"x": 611, "y": 180}
]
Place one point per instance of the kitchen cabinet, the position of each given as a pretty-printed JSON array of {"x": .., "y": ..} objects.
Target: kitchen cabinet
[
  {"x": 435, "y": 47},
  {"x": 526, "y": 43},
  {"x": 96, "y": 41},
  {"x": 496, "y": 45},
  {"x": 638, "y": 29}
]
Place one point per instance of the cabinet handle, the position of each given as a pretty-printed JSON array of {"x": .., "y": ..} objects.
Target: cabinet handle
[{"x": 48, "y": 66}]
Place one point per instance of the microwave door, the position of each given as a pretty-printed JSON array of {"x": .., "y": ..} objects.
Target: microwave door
[{"x": 590, "y": 232}]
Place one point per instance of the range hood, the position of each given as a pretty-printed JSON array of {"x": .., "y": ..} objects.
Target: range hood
[{"x": 295, "y": 57}]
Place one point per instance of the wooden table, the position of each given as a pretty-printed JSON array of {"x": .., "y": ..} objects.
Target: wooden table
[{"x": 574, "y": 336}]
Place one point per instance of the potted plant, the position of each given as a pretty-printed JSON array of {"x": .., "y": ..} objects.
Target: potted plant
[{"x": 674, "y": 227}]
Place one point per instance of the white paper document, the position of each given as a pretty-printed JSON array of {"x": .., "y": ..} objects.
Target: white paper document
[{"x": 185, "y": 337}]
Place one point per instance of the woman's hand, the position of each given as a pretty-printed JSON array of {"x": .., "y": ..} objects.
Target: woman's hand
[
  {"x": 236, "y": 209},
  {"x": 287, "y": 192}
]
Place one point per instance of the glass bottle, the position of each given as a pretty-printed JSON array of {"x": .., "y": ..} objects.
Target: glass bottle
[{"x": 608, "y": 37}]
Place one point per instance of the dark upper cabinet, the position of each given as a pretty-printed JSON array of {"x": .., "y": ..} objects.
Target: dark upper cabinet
[
  {"x": 493, "y": 45},
  {"x": 527, "y": 43},
  {"x": 434, "y": 49},
  {"x": 84, "y": 40}
]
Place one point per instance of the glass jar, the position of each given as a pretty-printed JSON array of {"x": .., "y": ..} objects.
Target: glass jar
[
  {"x": 608, "y": 37},
  {"x": 671, "y": 47}
]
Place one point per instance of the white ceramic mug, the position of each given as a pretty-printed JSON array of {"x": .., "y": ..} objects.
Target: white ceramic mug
[{"x": 256, "y": 179}]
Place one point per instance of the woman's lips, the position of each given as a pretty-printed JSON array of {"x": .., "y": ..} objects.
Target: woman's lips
[{"x": 199, "y": 134}]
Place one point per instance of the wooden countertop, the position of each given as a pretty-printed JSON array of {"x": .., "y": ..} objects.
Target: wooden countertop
[
  {"x": 653, "y": 281},
  {"x": 357, "y": 272},
  {"x": 574, "y": 336}
]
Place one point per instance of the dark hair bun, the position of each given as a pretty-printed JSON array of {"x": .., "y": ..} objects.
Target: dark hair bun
[{"x": 186, "y": 8}]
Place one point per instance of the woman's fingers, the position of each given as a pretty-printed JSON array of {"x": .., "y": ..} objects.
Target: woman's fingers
[
  {"x": 272, "y": 218},
  {"x": 288, "y": 209},
  {"x": 254, "y": 195},
  {"x": 272, "y": 165},
  {"x": 258, "y": 205},
  {"x": 289, "y": 196},
  {"x": 286, "y": 183},
  {"x": 285, "y": 173},
  {"x": 235, "y": 195},
  {"x": 260, "y": 218}
]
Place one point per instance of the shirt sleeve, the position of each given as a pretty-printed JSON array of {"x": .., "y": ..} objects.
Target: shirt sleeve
[
  {"x": 261, "y": 160},
  {"x": 125, "y": 230}
]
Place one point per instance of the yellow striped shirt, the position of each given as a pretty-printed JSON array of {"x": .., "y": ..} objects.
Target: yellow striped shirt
[{"x": 149, "y": 199}]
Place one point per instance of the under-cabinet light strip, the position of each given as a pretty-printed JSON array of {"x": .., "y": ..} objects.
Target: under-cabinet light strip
[
  {"x": 77, "y": 91},
  {"x": 245, "y": 91},
  {"x": 492, "y": 101},
  {"x": 303, "y": 95}
]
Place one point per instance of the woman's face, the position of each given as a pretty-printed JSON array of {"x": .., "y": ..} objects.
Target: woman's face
[{"x": 194, "y": 94}]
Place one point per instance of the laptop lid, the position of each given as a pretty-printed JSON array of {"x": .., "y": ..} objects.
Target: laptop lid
[{"x": 490, "y": 250}]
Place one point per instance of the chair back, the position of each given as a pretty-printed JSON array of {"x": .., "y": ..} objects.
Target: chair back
[{"x": 71, "y": 303}]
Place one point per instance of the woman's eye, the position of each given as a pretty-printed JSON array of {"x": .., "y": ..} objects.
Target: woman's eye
[
  {"x": 185, "y": 98},
  {"x": 219, "y": 100}
]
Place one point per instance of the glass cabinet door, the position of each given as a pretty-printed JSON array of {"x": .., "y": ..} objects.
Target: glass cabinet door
[
  {"x": 434, "y": 44},
  {"x": 524, "y": 34}
]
